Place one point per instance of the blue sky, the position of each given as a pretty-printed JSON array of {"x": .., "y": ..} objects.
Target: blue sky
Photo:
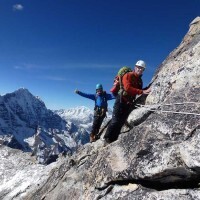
[{"x": 52, "y": 47}]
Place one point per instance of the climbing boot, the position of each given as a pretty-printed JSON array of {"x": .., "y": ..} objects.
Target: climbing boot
[
  {"x": 106, "y": 141},
  {"x": 92, "y": 137}
]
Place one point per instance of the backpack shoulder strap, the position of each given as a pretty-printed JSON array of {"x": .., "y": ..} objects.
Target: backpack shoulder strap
[
  {"x": 105, "y": 99},
  {"x": 95, "y": 101},
  {"x": 105, "y": 96},
  {"x": 122, "y": 91}
]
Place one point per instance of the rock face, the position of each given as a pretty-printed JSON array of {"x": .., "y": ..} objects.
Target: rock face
[
  {"x": 158, "y": 158},
  {"x": 179, "y": 73}
]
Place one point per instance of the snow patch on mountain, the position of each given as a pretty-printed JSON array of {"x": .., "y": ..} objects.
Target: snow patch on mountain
[
  {"x": 20, "y": 174},
  {"x": 81, "y": 116}
]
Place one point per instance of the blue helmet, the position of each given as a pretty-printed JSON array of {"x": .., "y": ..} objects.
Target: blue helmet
[{"x": 99, "y": 87}]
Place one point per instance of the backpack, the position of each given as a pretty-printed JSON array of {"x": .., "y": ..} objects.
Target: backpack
[
  {"x": 124, "y": 70},
  {"x": 117, "y": 85}
]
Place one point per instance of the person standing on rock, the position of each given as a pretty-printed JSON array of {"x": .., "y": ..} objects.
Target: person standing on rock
[
  {"x": 100, "y": 109},
  {"x": 131, "y": 86}
]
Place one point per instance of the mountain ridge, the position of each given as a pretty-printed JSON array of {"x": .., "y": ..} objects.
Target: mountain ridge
[{"x": 26, "y": 124}]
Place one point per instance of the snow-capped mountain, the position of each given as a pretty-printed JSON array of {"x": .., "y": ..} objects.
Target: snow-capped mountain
[
  {"x": 81, "y": 116},
  {"x": 26, "y": 124}
]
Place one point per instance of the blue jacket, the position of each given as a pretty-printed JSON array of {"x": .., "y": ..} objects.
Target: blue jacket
[{"x": 100, "y": 100}]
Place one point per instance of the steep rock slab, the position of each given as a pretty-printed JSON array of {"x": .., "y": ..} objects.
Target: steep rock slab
[{"x": 180, "y": 72}]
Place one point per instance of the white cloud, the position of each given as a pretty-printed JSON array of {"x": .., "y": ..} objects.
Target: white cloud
[
  {"x": 29, "y": 66},
  {"x": 19, "y": 67},
  {"x": 18, "y": 7},
  {"x": 57, "y": 78},
  {"x": 53, "y": 78},
  {"x": 25, "y": 66},
  {"x": 87, "y": 66}
]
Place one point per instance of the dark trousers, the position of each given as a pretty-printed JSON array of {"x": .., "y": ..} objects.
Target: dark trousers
[
  {"x": 98, "y": 119},
  {"x": 121, "y": 111}
]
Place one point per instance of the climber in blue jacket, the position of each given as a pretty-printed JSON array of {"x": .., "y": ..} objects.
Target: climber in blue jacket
[{"x": 100, "y": 109}]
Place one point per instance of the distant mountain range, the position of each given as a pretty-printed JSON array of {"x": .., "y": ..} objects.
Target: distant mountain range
[
  {"x": 26, "y": 124},
  {"x": 81, "y": 116}
]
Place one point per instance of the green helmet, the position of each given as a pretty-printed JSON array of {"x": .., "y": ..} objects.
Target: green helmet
[{"x": 99, "y": 86}]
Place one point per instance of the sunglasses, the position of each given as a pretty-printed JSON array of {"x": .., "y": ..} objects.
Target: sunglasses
[{"x": 140, "y": 68}]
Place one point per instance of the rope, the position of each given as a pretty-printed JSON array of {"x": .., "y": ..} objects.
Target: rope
[
  {"x": 185, "y": 113},
  {"x": 169, "y": 104},
  {"x": 182, "y": 103},
  {"x": 168, "y": 111}
]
